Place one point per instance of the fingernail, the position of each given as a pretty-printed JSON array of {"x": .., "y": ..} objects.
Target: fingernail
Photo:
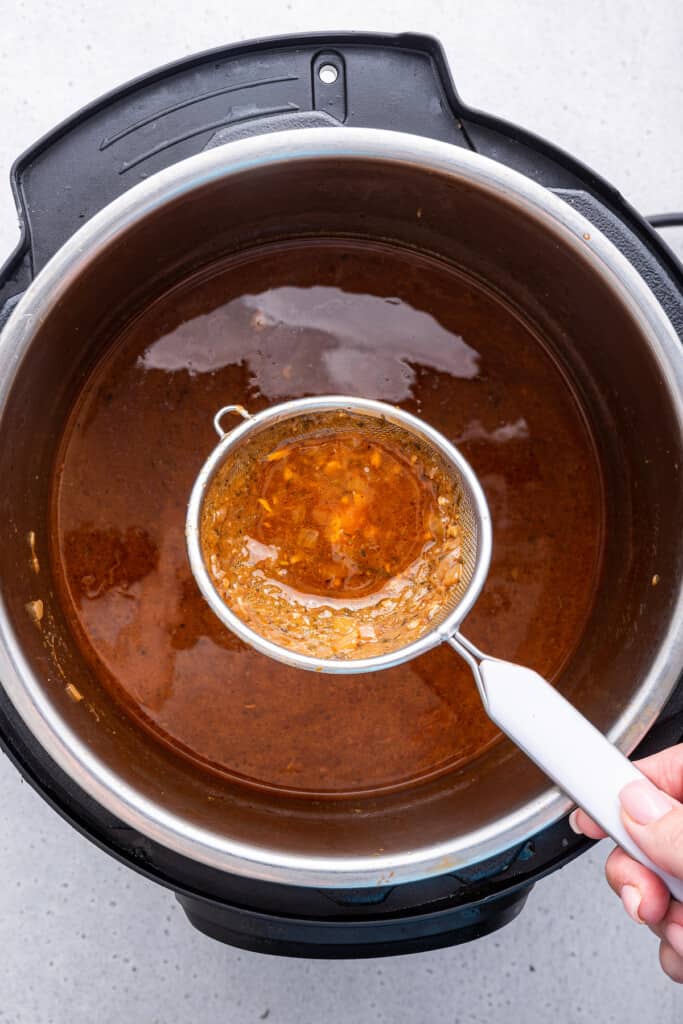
[
  {"x": 630, "y": 897},
  {"x": 573, "y": 818},
  {"x": 644, "y": 802},
  {"x": 674, "y": 936}
]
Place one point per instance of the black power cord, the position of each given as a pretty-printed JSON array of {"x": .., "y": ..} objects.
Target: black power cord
[{"x": 666, "y": 220}]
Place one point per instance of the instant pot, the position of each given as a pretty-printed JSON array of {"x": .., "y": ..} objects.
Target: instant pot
[{"x": 351, "y": 135}]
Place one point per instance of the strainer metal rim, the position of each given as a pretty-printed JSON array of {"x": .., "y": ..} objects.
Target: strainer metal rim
[{"x": 347, "y": 403}]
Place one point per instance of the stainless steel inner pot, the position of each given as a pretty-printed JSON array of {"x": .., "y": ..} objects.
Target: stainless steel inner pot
[{"x": 604, "y": 326}]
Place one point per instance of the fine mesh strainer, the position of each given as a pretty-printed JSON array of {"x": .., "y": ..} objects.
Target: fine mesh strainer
[{"x": 564, "y": 744}]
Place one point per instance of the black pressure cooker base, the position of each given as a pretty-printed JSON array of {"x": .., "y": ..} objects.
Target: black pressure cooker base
[
  {"x": 317, "y": 923},
  {"x": 346, "y": 939},
  {"x": 397, "y": 82}
]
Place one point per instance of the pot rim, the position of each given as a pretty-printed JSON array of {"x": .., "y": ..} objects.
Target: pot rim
[{"x": 24, "y": 689}]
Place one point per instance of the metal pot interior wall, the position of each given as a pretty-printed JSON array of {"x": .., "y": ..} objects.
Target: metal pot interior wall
[{"x": 585, "y": 321}]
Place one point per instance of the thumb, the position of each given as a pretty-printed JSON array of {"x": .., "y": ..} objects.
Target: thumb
[{"x": 655, "y": 821}]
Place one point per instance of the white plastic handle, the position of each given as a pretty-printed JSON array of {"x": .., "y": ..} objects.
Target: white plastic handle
[{"x": 566, "y": 747}]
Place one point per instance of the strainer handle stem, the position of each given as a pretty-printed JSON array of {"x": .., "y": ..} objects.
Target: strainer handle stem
[{"x": 564, "y": 744}]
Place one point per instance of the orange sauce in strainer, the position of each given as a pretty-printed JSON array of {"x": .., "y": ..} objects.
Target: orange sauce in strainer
[
  {"x": 334, "y": 534},
  {"x": 345, "y": 513}
]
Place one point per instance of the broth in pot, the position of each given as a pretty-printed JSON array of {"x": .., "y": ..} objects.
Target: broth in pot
[{"x": 280, "y": 322}]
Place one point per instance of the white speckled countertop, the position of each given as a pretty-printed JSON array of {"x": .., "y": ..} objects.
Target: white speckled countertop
[{"x": 83, "y": 939}]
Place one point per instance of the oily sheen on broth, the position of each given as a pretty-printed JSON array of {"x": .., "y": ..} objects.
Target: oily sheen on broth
[{"x": 280, "y": 322}]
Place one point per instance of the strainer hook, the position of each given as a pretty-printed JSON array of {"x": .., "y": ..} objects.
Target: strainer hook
[{"x": 235, "y": 410}]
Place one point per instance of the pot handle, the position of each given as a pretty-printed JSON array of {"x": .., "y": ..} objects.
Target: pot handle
[
  {"x": 665, "y": 220},
  {"x": 565, "y": 745},
  {"x": 362, "y": 79}
]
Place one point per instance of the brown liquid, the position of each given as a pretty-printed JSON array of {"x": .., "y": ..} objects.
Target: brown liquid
[{"x": 319, "y": 318}]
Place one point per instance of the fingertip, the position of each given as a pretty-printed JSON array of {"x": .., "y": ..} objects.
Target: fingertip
[
  {"x": 574, "y": 821},
  {"x": 645, "y": 903},
  {"x": 632, "y": 900},
  {"x": 644, "y": 895},
  {"x": 580, "y": 823},
  {"x": 673, "y": 934},
  {"x": 672, "y": 963},
  {"x": 654, "y": 900},
  {"x": 675, "y": 913},
  {"x": 643, "y": 803}
]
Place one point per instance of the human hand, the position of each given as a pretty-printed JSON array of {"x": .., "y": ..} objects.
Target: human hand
[{"x": 653, "y": 816}]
